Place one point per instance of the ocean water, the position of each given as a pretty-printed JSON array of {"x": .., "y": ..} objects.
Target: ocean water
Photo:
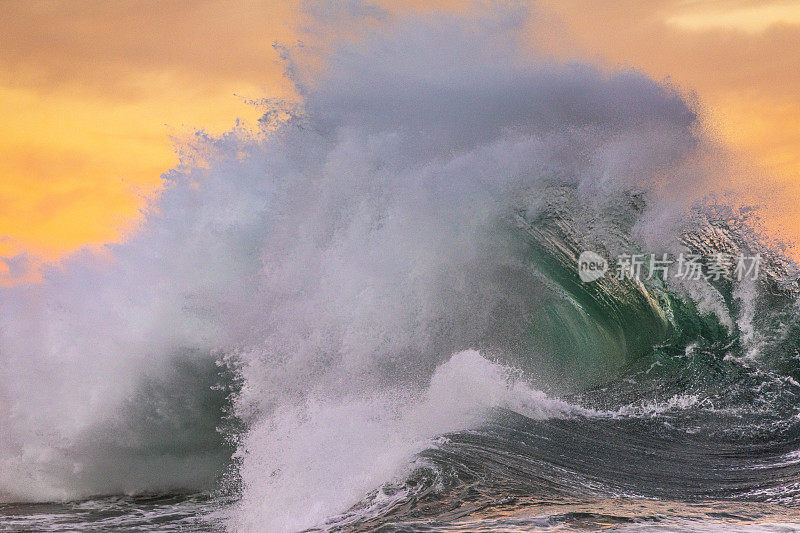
[
  {"x": 366, "y": 314},
  {"x": 196, "y": 513}
]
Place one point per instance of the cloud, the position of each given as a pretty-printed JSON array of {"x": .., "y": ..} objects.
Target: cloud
[
  {"x": 118, "y": 50},
  {"x": 747, "y": 18}
]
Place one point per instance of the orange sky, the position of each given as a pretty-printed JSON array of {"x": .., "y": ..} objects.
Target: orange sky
[{"x": 91, "y": 91}]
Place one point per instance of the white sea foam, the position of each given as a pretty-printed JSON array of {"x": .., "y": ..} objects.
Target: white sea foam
[{"x": 304, "y": 464}]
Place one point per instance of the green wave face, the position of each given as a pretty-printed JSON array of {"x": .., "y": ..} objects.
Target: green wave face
[{"x": 583, "y": 335}]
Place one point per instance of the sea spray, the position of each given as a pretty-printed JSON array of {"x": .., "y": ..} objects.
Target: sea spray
[{"x": 428, "y": 196}]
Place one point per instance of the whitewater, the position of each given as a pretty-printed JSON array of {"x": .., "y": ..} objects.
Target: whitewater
[{"x": 365, "y": 313}]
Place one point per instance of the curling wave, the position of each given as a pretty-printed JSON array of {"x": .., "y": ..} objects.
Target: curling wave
[{"x": 368, "y": 312}]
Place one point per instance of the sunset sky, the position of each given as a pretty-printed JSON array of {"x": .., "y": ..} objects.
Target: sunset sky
[{"x": 93, "y": 94}]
